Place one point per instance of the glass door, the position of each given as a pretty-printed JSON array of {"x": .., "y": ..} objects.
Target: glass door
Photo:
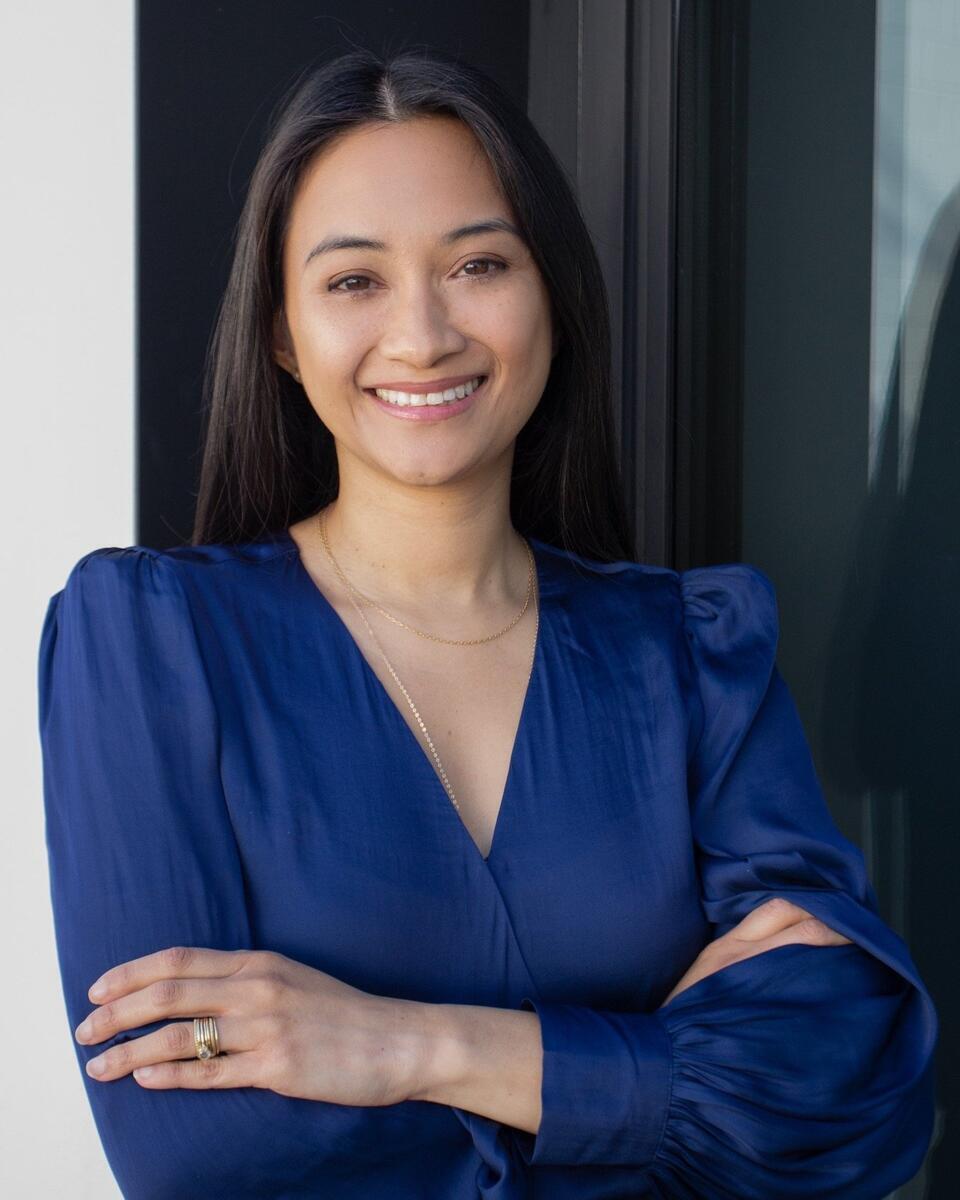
[{"x": 818, "y": 412}]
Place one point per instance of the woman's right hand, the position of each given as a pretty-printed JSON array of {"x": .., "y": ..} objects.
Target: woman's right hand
[{"x": 776, "y": 922}]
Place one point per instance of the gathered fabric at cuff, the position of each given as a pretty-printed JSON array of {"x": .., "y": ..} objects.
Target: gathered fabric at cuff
[{"x": 606, "y": 1087}]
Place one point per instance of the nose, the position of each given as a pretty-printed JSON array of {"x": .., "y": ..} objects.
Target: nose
[{"x": 419, "y": 329}]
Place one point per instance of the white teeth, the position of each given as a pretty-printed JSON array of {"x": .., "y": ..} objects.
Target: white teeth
[{"x": 418, "y": 400}]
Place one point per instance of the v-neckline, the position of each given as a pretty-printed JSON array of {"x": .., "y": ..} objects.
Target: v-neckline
[{"x": 406, "y": 732}]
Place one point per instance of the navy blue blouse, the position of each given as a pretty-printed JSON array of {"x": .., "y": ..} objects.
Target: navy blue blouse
[{"x": 222, "y": 767}]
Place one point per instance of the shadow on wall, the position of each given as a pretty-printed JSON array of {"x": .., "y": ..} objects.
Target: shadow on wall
[{"x": 892, "y": 703}]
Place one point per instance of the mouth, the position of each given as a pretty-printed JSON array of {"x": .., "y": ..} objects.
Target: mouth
[{"x": 430, "y": 406}]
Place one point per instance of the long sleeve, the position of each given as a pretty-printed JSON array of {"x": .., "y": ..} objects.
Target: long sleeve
[
  {"x": 142, "y": 856},
  {"x": 804, "y": 1071}
]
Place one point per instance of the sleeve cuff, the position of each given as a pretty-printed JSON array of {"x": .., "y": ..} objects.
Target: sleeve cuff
[{"x": 606, "y": 1087}]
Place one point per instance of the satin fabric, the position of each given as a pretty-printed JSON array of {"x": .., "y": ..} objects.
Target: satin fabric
[{"x": 223, "y": 768}]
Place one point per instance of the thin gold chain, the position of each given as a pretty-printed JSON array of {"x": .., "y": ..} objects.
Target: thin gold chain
[
  {"x": 354, "y": 593},
  {"x": 419, "y": 632}
]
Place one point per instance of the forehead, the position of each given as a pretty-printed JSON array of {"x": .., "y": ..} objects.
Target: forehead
[{"x": 421, "y": 176}]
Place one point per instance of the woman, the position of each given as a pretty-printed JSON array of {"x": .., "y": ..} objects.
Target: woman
[{"x": 427, "y": 844}]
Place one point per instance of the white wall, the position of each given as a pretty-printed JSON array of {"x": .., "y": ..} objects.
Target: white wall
[{"x": 67, "y": 474}]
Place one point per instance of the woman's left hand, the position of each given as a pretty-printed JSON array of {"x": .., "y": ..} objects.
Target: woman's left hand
[
  {"x": 283, "y": 1025},
  {"x": 776, "y": 922}
]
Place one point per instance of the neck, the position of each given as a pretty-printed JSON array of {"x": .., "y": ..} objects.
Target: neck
[{"x": 422, "y": 549}]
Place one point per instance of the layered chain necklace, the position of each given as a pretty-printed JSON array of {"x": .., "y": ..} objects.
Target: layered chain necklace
[{"x": 357, "y": 596}]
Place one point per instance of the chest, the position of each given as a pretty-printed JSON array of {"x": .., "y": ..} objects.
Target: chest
[
  {"x": 462, "y": 705},
  {"x": 569, "y": 867}
]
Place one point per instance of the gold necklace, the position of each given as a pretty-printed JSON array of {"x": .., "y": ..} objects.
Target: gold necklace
[
  {"x": 419, "y": 632},
  {"x": 354, "y": 593}
]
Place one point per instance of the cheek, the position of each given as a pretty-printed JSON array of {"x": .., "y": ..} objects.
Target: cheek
[
  {"x": 334, "y": 338},
  {"x": 513, "y": 324}
]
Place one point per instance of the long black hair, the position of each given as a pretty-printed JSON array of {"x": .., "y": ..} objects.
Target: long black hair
[{"x": 268, "y": 460}]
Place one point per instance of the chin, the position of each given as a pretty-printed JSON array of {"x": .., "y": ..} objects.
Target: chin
[{"x": 426, "y": 471}]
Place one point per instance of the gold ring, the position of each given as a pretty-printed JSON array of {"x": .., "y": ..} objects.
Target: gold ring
[{"x": 206, "y": 1037}]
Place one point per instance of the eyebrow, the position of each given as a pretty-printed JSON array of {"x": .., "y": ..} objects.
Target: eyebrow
[{"x": 341, "y": 241}]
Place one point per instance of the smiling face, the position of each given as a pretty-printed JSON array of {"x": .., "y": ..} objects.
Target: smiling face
[{"x": 431, "y": 305}]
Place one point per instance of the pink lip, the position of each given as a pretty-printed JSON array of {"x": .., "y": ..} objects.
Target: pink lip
[
  {"x": 429, "y": 412},
  {"x": 432, "y": 385}
]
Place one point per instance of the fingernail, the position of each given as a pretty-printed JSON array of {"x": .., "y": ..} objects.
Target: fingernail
[
  {"x": 96, "y": 1066},
  {"x": 99, "y": 989},
  {"x": 83, "y": 1030},
  {"x": 143, "y": 1072}
]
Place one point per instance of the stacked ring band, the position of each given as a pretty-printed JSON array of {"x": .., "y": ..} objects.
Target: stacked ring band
[{"x": 206, "y": 1037}]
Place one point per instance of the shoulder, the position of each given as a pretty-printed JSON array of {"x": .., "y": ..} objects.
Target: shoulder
[
  {"x": 120, "y": 639},
  {"x": 732, "y": 628},
  {"x": 121, "y": 636},
  {"x": 117, "y": 572},
  {"x": 717, "y": 625},
  {"x": 120, "y": 604},
  {"x": 617, "y": 584},
  {"x": 111, "y": 579},
  {"x": 138, "y": 601},
  {"x": 729, "y": 602}
]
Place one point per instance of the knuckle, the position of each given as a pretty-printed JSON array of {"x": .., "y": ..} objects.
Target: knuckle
[
  {"x": 271, "y": 987},
  {"x": 813, "y": 931},
  {"x": 104, "y": 1018},
  {"x": 256, "y": 964},
  {"x": 271, "y": 964},
  {"x": 165, "y": 992},
  {"x": 119, "y": 1057},
  {"x": 172, "y": 1039},
  {"x": 211, "y": 1069},
  {"x": 176, "y": 957},
  {"x": 782, "y": 907},
  {"x": 243, "y": 960},
  {"x": 121, "y": 978}
]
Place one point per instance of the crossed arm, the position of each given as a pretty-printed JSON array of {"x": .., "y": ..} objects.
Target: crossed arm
[{"x": 303, "y": 1033}]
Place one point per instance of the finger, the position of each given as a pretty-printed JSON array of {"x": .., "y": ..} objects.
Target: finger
[
  {"x": 811, "y": 932},
  {"x": 180, "y": 961},
  {"x": 174, "y": 1041},
  {"x": 769, "y": 918},
  {"x": 717, "y": 955},
  {"x": 165, "y": 998},
  {"x": 223, "y": 1071}
]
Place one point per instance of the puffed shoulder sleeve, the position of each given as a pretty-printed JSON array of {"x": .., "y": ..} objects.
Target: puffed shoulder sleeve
[
  {"x": 804, "y": 1071},
  {"x": 140, "y": 848}
]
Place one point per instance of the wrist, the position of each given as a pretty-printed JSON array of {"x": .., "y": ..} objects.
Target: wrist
[
  {"x": 435, "y": 1053},
  {"x": 483, "y": 1059}
]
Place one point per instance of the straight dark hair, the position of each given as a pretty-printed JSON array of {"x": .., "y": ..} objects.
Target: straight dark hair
[{"x": 268, "y": 460}]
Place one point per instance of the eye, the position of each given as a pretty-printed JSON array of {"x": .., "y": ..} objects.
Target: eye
[
  {"x": 492, "y": 262},
  {"x": 335, "y": 287},
  {"x": 499, "y": 268}
]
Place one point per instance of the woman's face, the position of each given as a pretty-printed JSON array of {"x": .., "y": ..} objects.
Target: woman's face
[{"x": 427, "y": 305}]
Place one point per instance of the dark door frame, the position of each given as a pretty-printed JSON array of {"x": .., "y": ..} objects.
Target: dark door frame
[{"x": 643, "y": 103}]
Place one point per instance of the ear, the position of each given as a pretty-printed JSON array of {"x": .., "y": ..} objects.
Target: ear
[{"x": 283, "y": 351}]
